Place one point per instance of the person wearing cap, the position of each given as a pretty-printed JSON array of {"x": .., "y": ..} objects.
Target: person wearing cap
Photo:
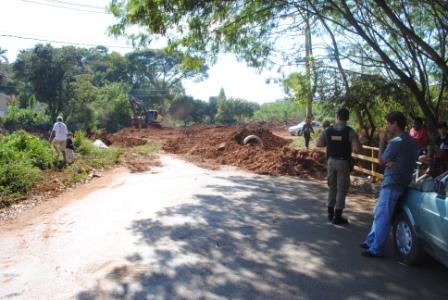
[
  {"x": 59, "y": 137},
  {"x": 398, "y": 152},
  {"x": 340, "y": 140}
]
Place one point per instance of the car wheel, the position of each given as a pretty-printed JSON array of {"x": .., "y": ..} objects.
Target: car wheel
[{"x": 407, "y": 244}]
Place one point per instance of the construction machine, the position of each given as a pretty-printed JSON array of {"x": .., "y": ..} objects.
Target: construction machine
[{"x": 142, "y": 116}]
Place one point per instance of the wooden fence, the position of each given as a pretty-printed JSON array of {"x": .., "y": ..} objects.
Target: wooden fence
[
  {"x": 372, "y": 158},
  {"x": 374, "y": 161}
]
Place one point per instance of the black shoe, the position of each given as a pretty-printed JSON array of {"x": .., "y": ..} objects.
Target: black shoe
[
  {"x": 330, "y": 213},
  {"x": 363, "y": 246},
  {"x": 370, "y": 254},
  {"x": 338, "y": 218}
]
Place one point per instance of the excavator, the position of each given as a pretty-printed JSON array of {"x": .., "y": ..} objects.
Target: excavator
[{"x": 142, "y": 117}]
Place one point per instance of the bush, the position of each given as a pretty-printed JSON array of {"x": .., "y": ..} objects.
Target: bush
[
  {"x": 24, "y": 118},
  {"x": 23, "y": 146},
  {"x": 96, "y": 158},
  {"x": 82, "y": 144},
  {"x": 17, "y": 177}
]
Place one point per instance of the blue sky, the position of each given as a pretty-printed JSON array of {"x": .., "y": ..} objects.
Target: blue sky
[{"x": 41, "y": 19}]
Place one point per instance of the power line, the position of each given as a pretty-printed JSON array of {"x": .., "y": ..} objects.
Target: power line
[
  {"x": 62, "y": 42},
  {"x": 75, "y": 4},
  {"x": 65, "y": 7}
]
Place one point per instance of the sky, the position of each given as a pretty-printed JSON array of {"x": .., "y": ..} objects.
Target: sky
[{"x": 86, "y": 24}]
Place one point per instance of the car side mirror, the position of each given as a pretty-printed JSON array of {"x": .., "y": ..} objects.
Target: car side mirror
[{"x": 441, "y": 189}]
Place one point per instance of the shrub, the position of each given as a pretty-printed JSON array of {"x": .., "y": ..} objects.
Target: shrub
[
  {"x": 23, "y": 146},
  {"x": 17, "y": 177},
  {"x": 82, "y": 144},
  {"x": 23, "y": 118}
]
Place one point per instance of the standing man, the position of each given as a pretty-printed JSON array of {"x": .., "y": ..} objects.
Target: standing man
[
  {"x": 399, "y": 157},
  {"x": 59, "y": 137},
  {"x": 307, "y": 130},
  {"x": 340, "y": 141}
]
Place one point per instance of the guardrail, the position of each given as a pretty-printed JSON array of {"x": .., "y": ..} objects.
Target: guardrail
[{"x": 374, "y": 161}]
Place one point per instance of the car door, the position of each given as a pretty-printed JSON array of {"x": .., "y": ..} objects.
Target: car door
[{"x": 434, "y": 218}]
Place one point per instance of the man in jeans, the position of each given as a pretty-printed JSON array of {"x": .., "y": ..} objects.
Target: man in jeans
[
  {"x": 399, "y": 157},
  {"x": 340, "y": 141}
]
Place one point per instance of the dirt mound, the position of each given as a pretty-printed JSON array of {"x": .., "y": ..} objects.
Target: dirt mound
[
  {"x": 129, "y": 137},
  {"x": 224, "y": 145},
  {"x": 205, "y": 144}
]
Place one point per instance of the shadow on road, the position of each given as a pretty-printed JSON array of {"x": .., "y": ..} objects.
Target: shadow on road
[{"x": 261, "y": 238}]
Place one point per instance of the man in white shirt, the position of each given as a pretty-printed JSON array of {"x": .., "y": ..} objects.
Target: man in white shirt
[{"x": 59, "y": 137}]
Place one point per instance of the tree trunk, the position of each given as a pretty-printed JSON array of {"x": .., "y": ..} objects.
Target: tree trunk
[{"x": 308, "y": 57}]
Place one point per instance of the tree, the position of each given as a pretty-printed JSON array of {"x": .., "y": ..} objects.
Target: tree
[
  {"x": 113, "y": 108},
  {"x": 282, "y": 111},
  {"x": 156, "y": 76},
  {"x": 230, "y": 111},
  {"x": 3, "y": 61},
  {"x": 182, "y": 109},
  {"x": 401, "y": 47},
  {"x": 49, "y": 71},
  {"x": 81, "y": 95},
  {"x": 212, "y": 109},
  {"x": 405, "y": 40}
]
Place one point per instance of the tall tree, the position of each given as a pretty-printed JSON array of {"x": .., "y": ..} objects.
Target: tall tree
[
  {"x": 49, "y": 71},
  {"x": 403, "y": 39}
]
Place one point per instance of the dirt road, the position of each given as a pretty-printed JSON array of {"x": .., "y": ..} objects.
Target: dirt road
[{"x": 183, "y": 232}]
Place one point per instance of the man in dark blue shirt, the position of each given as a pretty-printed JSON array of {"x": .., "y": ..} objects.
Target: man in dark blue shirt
[{"x": 399, "y": 157}]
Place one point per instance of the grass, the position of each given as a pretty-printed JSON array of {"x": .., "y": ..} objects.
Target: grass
[
  {"x": 299, "y": 141},
  {"x": 85, "y": 164},
  {"x": 29, "y": 162},
  {"x": 100, "y": 158},
  {"x": 146, "y": 149}
]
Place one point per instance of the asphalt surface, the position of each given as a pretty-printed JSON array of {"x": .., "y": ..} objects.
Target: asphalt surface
[{"x": 183, "y": 232}]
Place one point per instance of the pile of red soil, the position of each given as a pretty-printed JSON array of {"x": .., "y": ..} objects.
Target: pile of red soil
[{"x": 224, "y": 145}]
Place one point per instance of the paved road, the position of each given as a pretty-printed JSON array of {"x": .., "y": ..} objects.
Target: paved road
[{"x": 183, "y": 232}]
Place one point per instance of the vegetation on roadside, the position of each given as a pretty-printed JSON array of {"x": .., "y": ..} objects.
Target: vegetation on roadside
[
  {"x": 26, "y": 160},
  {"x": 146, "y": 149}
]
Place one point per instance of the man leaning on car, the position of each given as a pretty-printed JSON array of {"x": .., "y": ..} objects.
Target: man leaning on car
[{"x": 399, "y": 157}]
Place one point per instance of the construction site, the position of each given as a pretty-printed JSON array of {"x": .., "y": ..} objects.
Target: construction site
[{"x": 212, "y": 146}]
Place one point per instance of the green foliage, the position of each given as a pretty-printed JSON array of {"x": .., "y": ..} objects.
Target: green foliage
[
  {"x": 296, "y": 87},
  {"x": 404, "y": 40},
  {"x": 230, "y": 111},
  {"x": 24, "y": 118},
  {"x": 82, "y": 144},
  {"x": 84, "y": 164},
  {"x": 17, "y": 177},
  {"x": 146, "y": 149},
  {"x": 113, "y": 108},
  {"x": 101, "y": 157},
  {"x": 49, "y": 71},
  {"x": 22, "y": 156},
  {"x": 79, "y": 111},
  {"x": 283, "y": 111},
  {"x": 23, "y": 146}
]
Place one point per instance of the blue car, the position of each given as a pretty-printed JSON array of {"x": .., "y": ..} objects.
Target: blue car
[{"x": 421, "y": 221}]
